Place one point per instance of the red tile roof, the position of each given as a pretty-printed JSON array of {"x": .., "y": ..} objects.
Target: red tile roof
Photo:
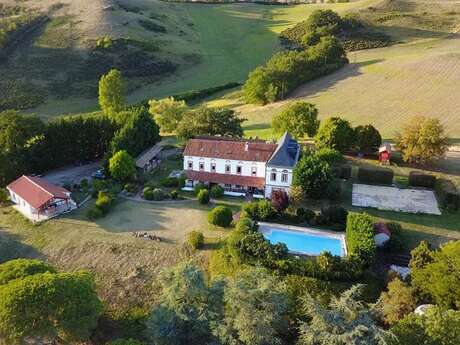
[
  {"x": 247, "y": 181},
  {"x": 382, "y": 228},
  {"x": 234, "y": 149},
  {"x": 36, "y": 191}
]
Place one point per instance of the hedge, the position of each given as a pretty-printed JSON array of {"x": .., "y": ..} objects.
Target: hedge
[
  {"x": 418, "y": 179},
  {"x": 448, "y": 195},
  {"x": 375, "y": 175},
  {"x": 360, "y": 238}
]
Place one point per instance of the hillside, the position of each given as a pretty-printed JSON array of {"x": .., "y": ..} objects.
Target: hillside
[
  {"x": 419, "y": 76},
  {"x": 162, "y": 48}
]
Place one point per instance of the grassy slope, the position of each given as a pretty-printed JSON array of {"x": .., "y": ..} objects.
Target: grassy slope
[
  {"x": 231, "y": 39},
  {"x": 382, "y": 86}
]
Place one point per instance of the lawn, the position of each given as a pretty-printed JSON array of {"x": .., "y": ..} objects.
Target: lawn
[{"x": 125, "y": 266}]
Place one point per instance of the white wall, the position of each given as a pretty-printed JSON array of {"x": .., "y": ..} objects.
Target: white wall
[
  {"x": 278, "y": 183},
  {"x": 22, "y": 204},
  {"x": 221, "y": 163}
]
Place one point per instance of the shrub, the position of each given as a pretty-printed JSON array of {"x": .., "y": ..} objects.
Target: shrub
[
  {"x": 360, "y": 238},
  {"x": 94, "y": 213},
  {"x": 375, "y": 175},
  {"x": 220, "y": 216},
  {"x": 335, "y": 214},
  {"x": 367, "y": 138},
  {"x": 198, "y": 187},
  {"x": 195, "y": 239},
  {"x": 203, "y": 197},
  {"x": 334, "y": 190},
  {"x": 280, "y": 200},
  {"x": 447, "y": 194},
  {"x": 418, "y": 179},
  {"x": 259, "y": 210},
  {"x": 174, "y": 195},
  {"x": 331, "y": 156},
  {"x": 217, "y": 191},
  {"x": 396, "y": 243},
  {"x": 305, "y": 214},
  {"x": 335, "y": 133},
  {"x": 148, "y": 194},
  {"x": 313, "y": 175},
  {"x": 158, "y": 194},
  {"x": 104, "y": 201},
  {"x": 130, "y": 188},
  {"x": 84, "y": 184},
  {"x": 3, "y": 195},
  {"x": 170, "y": 182}
]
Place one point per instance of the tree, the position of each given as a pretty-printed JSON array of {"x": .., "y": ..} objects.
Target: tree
[
  {"x": 111, "y": 93},
  {"x": 49, "y": 305},
  {"x": 167, "y": 113},
  {"x": 327, "y": 51},
  {"x": 313, "y": 175},
  {"x": 280, "y": 200},
  {"x": 188, "y": 307},
  {"x": 325, "y": 21},
  {"x": 210, "y": 121},
  {"x": 138, "y": 133},
  {"x": 17, "y": 130},
  {"x": 4, "y": 197},
  {"x": 335, "y": 133},
  {"x": 346, "y": 321},
  {"x": 255, "y": 310},
  {"x": 122, "y": 166},
  {"x": 397, "y": 302},
  {"x": 420, "y": 256},
  {"x": 441, "y": 277},
  {"x": 299, "y": 119},
  {"x": 422, "y": 140},
  {"x": 21, "y": 268},
  {"x": 435, "y": 327},
  {"x": 367, "y": 139}
]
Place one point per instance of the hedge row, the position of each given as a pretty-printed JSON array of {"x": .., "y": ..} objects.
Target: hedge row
[
  {"x": 447, "y": 194},
  {"x": 360, "y": 238},
  {"x": 375, "y": 175},
  {"x": 418, "y": 179}
]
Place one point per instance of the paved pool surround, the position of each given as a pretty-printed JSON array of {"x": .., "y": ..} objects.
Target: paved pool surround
[{"x": 304, "y": 240}]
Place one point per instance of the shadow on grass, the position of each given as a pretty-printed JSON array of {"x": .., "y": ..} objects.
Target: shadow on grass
[{"x": 12, "y": 247}]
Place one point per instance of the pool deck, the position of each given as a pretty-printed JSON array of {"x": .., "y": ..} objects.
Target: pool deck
[{"x": 267, "y": 227}]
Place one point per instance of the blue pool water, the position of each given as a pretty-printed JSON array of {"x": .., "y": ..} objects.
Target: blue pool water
[{"x": 304, "y": 242}]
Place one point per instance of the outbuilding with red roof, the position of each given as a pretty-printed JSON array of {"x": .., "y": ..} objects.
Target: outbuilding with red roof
[{"x": 38, "y": 199}]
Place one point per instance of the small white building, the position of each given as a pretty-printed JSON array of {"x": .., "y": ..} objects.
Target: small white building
[
  {"x": 241, "y": 166},
  {"x": 39, "y": 200}
]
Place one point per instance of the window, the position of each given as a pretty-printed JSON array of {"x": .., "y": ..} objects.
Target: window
[
  {"x": 213, "y": 167},
  {"x": 284, "y": 176},
  {"x": 227, "y": 168},
  {"x": 228, "y": 185},
  {"x": 201, "y": 165},
  {"x": 190, "y": 165},
  {"x": 254, "y": 171},
  {"x": 273, "y": 175},
  {"x": 239, "y": 169}
]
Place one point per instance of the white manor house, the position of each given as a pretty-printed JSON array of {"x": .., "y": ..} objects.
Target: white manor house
[{"x": 241, "y": 166}]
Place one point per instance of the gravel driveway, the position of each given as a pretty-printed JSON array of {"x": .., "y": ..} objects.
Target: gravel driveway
[{"x": 72, "y": 174}]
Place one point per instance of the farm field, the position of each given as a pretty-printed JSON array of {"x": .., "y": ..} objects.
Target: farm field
[{"x": 125, "y": 266}]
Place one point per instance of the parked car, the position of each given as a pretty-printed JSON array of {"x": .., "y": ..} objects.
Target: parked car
[{"x": 99, "y": 174}]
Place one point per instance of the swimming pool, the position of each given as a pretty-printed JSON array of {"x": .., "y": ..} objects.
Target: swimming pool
[{"x": 304, "y": 241}]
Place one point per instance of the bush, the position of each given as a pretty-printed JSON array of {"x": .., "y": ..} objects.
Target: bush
[
  {"x": 367, "y": 139},
  {"x": 84, "y": 183},
  {"x": 447, "y": 194},
  {"x": 418, "y": 179},
  {"x": 396, "y": 243},
  {"x": 195, "y": 239},
  {"x": 335, "y": 133},
  {"x": 335, "y": 214},
  {"x": 220, "y": 216},
  {"x": 375, "y": 175},
  {"x": 331, "y": 156},
  {"x": 305, "y": 214},
  {"x": 280, "y": 200},
  {"x": 174, "y": 195},
  {"x": 259, "y": 210},
  {"x": 334, "y": 191},
  {"x": 198, "y": 187},
  {"x": 217, "y": 191},
  {"x": 130, "y": 188},
  {"x": 148, "y": 194},
  {"x": 170, "y": 182},
  {"x": 4, "y": 197},
  {"x": 203, "y": 197},
  {"x": 94, "y": 213},
  {"x": 313, "y": 175},
  {"x": 360, "y": 238},
  {"x": 158, "y": 194},
  {"x": 105, "y": 201}
]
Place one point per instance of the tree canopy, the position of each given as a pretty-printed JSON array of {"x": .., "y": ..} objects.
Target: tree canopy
[
  {"x": 367, "y": 139},
  {"x": 167, "y": 113},
  {"x": 122, "y": 166},
  {"x": 335, "y": 133},
  {"x": 422, "y": 140},
  {"x": 17, "y": 130},
  {"x": 111, "y": 93},
  {"x": 300, "y": 119},
  {"x": 313, "y": 175},
  {"x": 47, "y": 304},
  {"x": 210, "y": 121}
]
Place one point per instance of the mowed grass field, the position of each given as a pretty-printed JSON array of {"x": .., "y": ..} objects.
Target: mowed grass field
[{"x": 125, "y": 266}]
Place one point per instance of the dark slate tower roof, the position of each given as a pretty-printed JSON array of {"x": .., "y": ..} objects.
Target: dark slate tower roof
[{"x": 286, "y": 153}]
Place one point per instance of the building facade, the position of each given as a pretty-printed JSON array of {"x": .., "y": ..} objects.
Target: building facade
[{"x": 240, "y": 166}]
